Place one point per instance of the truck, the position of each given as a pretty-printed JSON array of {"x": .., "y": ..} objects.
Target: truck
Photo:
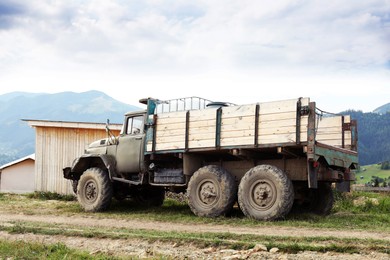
[{"x": 264, "y": 157}]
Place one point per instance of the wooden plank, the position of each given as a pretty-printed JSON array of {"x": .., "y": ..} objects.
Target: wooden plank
[
  {"x": 329, "y": 122},
  {"x": 237, "y": 127},
  {"x": 197, "y": 130},
  {"x": 169, "y": 146},
  {"x": 201, "y": 115},
  {"x": 276, "y": 139},
  {"x": 202, "y": 143},
  {"x": 277, "y": 130},
  {"x": 201, "y": 136},
  {"x": 172, "y": 132},
  {"x": 170, "y": 139},
  {"x": 277, "y": 116},
  {"x": 179, "y": 114},
  {"x": 281, "y": 106},
  {"x": 279, "y": 123},
  {"x": 204, "y": 123},
  {"x": 238, "y": 120},
  {"x": 239, "y": 133},
  {"x": 165, "y": 127},
  {"x": 238, "y": 111},
  {"x": 167, "y": 121},
  {"x": 228, "y": 141}
]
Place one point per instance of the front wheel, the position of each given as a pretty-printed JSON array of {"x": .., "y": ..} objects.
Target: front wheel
[
  {"x": 265, "y": 193},
  {"x": 211, "y": 191},
  {"x": 94, "y": 190}
]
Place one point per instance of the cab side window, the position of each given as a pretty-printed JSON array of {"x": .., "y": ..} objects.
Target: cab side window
[{"x": 135, "y": 125}]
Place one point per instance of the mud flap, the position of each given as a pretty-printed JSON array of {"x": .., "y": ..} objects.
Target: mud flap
[
  {"x": 312, "y": 175},
  {"x": 344, "y": 186}
]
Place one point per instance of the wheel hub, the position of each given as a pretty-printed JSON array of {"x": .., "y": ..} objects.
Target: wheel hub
[
  {"x": 90, "y": 191},
  {"x": 263, "y": 195},
  {"x": 207, "y": 192}
]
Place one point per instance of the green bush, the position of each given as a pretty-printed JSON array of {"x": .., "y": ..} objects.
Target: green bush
[{"x": 346, "y": 202}]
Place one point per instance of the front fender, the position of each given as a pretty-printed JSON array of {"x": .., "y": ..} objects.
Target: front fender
[{"x": 86, "y": 161}]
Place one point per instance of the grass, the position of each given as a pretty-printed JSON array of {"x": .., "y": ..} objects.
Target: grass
[
  {"x": 371, "y": 170},
  {"x": 208, "y": 239},
  {"x": 345, "y": 214},
  {"x": 25, "y": 250}
]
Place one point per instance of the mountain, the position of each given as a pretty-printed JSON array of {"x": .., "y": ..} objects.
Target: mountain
[
  {"x": 373, "y": 136},
  {"x": 17, "y": 138},
  {"x": 383, "y": 109}
]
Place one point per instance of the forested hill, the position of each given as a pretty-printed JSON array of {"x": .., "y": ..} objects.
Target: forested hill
[{"x": 374, "y": 136}]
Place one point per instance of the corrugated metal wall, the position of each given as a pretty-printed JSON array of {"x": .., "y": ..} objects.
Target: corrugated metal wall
[{"x": 55, "y": 149}]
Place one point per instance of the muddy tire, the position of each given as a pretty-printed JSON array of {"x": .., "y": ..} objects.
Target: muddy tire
[
  {"x": 322, "y": 199},
  {"x": 94, "y": 190},
  {"x": 150, "y": 196},
  {"x": 211, "y": 191},
  {"x": 265, "y": 193}
]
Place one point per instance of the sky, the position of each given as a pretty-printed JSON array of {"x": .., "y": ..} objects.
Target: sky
[{"x": 336, "y": 52}]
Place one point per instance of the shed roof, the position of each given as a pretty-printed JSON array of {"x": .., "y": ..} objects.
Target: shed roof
[
  {"x": 69, "y": 124},
  {"x": 28, "y": 157}
]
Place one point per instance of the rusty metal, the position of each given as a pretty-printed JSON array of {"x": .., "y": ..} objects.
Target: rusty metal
[
  {"x": 342, "y": 133},
  {"x": 311, "y": 135},
  {"x": 154, "y": 133},
  {"x": 298, "y": 122},
  {"x": 187, "y": 130},
  {"x": 354, "y": 135},
  {"x": 257, "y": 111},
  {"x": 218, "y": 128}
]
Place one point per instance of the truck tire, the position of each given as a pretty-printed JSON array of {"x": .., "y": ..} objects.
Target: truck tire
[
  {"x": 150, "y": 196},
  {"x": 322, "y": 199},
  {"x": 265, "y": 193},
  {"x": 211, "y": 191},
  {"x": 94, "y": 190}
]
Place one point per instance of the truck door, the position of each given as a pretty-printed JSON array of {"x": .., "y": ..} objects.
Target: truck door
[{"x": 129, "y": 153}]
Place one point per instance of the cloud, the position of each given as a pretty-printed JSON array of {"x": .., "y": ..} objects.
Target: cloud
[
  {"x": 89, "y": 44},
  {"x": 239, "y": 34}
]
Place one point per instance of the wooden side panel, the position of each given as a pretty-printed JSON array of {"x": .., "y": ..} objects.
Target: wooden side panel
[
  {"x": 170, "y": 131},
  {"x": 329, "y": 131},
  {"x": 237, "y": 125},
  {"x": 277, "y": 123},
  {"x": 202, "y": 126}
]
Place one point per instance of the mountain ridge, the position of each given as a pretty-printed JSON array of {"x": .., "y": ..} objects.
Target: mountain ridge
[{"x": 17, "y": 138}]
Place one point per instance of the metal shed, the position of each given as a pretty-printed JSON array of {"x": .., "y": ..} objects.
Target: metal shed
[{"x": 57, "y": 144}]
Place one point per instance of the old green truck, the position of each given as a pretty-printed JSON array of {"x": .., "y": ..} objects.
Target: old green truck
[{"x": 265, "y": 157}]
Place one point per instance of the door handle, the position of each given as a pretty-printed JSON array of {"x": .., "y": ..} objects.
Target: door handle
[{"x": 138, "y": 138}]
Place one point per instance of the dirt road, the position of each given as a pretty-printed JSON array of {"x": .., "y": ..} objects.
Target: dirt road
[{"x": 142, "y": 249}]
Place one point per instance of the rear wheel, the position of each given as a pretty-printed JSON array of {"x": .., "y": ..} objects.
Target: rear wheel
[
  {"x": 265, "y": 193},
  {"x": 211, "y": 191},
  {"x": 94, "y": 190}
]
